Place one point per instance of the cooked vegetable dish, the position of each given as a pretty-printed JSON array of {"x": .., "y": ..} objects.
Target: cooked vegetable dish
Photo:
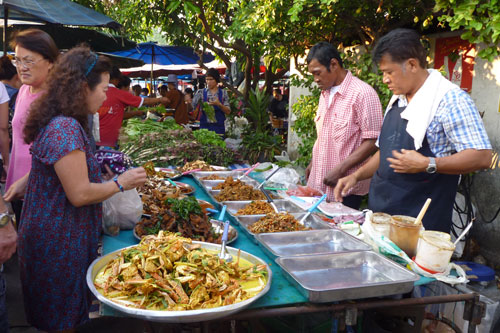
[
  {"x": 196, "y": 165},
  {"x": 277, "y": 222},
  {"x": 168, "y": 272},
  {"x": 235, "y": 190},
  {"x": 256, "y": 207}
]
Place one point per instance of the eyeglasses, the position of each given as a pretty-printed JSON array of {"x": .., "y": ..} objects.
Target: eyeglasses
[{"x": 27, "y": 63}]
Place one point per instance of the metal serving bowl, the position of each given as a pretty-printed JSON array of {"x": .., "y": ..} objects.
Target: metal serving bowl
[{"x": 178, "y": 316}]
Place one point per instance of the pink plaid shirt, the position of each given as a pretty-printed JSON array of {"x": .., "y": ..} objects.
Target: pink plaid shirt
[{"x": 354, "y": 115}]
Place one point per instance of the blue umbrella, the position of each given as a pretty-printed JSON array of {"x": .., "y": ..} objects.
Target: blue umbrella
[{"x": 152, "y": 53}]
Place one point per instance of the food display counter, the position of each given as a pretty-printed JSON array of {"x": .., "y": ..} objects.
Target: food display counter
[{"x": 287, "y": 298}]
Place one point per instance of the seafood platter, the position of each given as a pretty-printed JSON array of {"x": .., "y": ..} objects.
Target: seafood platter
[{"x": 169, "y": 278}]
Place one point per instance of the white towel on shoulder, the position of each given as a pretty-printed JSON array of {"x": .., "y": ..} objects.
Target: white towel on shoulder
[{"x": 424, "y": 104}]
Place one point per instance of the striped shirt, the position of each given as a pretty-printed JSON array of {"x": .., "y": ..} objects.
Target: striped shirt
[
  {"x": 354, "y": 115},
  {"x": 456, "y": 126}
]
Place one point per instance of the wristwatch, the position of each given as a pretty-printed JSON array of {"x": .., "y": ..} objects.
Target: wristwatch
[
  {"x": 5, "y": 218},
  {"x": 432, "y": 167}
]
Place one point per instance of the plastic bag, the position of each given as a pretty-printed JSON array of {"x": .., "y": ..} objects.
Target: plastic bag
[
  {"x": 284, "y": 178},
  {"x": 386, "y": 247},
  {"x": 122, "y": 211}
]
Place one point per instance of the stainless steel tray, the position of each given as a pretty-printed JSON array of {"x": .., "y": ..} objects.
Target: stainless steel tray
[
  {"x": 346, "y": 276},
  {"x": 300, "y": 243},
  {"x": 282, "y": 205},
  {"x": 201, "y": 174},
  {"x": 209, "y": 184},
  {"x": 311, "y": 221},
  {"x": 178, "y": 316}
]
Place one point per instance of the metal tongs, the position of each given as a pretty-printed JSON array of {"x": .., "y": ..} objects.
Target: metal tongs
[
  {"x": 267, "y": 178},
  {"x": 313, "y": 207},
  {"x": 224, "y": 255},
  {"x": 270, "y": 200},
  {"x": 249, "y": 170}
]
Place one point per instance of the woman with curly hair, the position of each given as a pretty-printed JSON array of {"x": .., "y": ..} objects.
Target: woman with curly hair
[
  {"x": 62, "y": 211},
  {"x": 36, "y": 53}
]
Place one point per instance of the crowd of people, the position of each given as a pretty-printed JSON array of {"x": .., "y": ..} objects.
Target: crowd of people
[{"x": 431, "y": 133}]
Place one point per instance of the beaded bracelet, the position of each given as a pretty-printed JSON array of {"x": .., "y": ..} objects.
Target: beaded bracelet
[{"x": 115, "y": 179}]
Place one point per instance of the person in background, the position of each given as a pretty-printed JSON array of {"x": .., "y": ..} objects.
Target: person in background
[
  {"x": 9, "y": 77},
  {"x": 137, "y": 89},
  {"x": 4, "y": 130},
  {"x": 348, "y": 121},
  {"x": 432, "y": 133},
  {"x": 144, "y": 93},
  {"x": 62, "y": 215},
  {"x": 124, "y": 83},
  {"x": 35, "y": 54},
  {"x": 188, "y": 100},
  {"x": 8, "y": 241},
  {"x": 279, "y": 104},
  {"x": 216, "y": 97},
  {"x": 112, "y": 111},
  {"x": 175, "y": 99}
]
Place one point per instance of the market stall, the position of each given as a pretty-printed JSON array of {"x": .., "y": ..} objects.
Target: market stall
[{"x": 287, "y": 297}]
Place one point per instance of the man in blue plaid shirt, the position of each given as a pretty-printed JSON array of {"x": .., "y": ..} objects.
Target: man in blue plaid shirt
[{"x": 432, "y": 133}]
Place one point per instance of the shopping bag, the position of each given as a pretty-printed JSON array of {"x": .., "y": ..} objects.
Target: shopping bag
[{"x": 122, "y": 211}]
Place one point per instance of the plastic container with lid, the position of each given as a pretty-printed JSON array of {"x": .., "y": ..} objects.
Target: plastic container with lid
[
  {"x": 405, "y": 233},
  {"x": 440, "y": 234},
  {"x": 434, "y": 252},
  {"x": 381, "y": 222}
]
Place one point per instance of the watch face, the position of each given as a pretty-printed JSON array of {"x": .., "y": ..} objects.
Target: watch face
[
  {"x": 431, "y": 169},
  {"x": 4, "y": 219}
]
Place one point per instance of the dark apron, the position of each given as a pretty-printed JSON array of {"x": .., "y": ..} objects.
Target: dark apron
[
  {"x": 405, "y": 194},
  {"x": 217, "y": 127}
]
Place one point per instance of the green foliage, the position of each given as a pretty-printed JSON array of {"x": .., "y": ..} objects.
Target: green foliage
[
  {"x": 207, "y": 137},
  {"x": 304, "y": 126},
  {"x": 135, "y": 127},
  {"x": 260, "y": 146},
  {"x": 480, "y": 21},
  {"x": 256, "y": 112}
]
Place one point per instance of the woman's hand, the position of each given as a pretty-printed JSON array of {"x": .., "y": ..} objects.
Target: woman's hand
[
  {"x": 132, "y": 178},
  {"x": 17, "y": 190},
  {"x": 109, "y": 174}
]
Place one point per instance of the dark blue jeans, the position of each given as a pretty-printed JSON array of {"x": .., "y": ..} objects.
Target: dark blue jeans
[{"x": 4, "y": 322}]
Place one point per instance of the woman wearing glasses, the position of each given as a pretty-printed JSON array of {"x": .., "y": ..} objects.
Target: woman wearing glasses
[{"x": 36, "y": 53}]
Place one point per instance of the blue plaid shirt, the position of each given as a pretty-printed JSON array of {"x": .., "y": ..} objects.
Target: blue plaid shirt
[{"x": 456, "y": 125}]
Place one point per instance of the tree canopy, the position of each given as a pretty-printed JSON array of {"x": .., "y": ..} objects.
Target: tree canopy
[{"x": 276, "y": 31}]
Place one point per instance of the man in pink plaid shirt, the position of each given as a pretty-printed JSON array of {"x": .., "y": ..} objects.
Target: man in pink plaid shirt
[{"x": 348, "y": 122}]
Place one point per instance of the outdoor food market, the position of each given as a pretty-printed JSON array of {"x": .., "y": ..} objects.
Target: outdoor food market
[{"x": 218, "y": 166}]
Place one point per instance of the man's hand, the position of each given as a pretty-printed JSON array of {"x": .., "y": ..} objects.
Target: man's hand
[
  {"x": 343, "y": 186},
  {"x": 333, "y": 176},
  {"x": 308, "y": 171},
  {"x": 8, "y": 240},
  {"x": 408, "y": 161}
]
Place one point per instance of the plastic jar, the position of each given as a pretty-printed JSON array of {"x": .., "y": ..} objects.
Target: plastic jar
[
  {"x": 439, "y": 234},
  {"x": 381, "y": 222},
  {"x": 405, "y": 233},
  {"x": 434, "y": 253}
]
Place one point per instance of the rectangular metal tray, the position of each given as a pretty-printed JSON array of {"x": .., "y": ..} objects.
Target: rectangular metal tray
[
  {"x": 311, "y": 221},
  {"x": 201, "y": 174},
  {"x": 213, "y": 193},
  {"x": 209, "y": 184},
  {"x": 346, "y": 276},
  {"x": 300, "y": 243},
  {"x": 282, "y": 205}
]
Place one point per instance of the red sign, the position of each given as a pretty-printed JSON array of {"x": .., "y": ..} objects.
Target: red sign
[{"x": 457, "y": 56}]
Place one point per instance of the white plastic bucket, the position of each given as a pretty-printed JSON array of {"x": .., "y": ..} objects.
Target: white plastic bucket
[{"x": 434, "y": 253}]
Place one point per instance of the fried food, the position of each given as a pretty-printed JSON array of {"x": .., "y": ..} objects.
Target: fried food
[
  {"x": 255, "y": 208},
  {"x": 169, "y": 272},
  {"x": 163, "y": 173},
  {"x": 236, "y": 190},
  {"x": 213, "y": 177},
  {"x": 277, "y": 222},
  {"x": 184, "y": 216},
  {"x": 196, "y": 165}
]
